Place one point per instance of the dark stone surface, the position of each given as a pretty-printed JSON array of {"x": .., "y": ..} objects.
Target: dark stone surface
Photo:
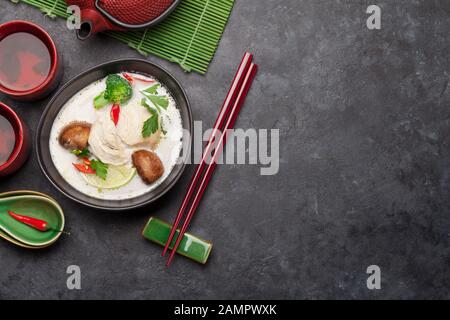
[{"x": 364, "y": 178}]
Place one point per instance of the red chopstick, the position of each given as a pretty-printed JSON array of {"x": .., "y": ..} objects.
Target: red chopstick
[
  {"x": 219, "y": 125},
  {"x": 217, "y": 150}
]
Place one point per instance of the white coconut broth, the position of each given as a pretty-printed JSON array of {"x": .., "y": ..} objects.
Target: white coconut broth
[{"x": 80, "y": 108}]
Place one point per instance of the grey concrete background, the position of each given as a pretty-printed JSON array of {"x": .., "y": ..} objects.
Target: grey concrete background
[{"x": 365, "y": 165}]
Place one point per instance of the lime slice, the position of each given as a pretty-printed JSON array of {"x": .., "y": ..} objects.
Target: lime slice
[{"x": 117, "y": 177}]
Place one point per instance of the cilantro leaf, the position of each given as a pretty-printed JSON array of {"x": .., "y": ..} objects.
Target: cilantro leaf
[
  {"x": 101, "y": 169},
  {"x": 81, "y": 153},
  {"x": 153, "y": 89},
  {"x": 148, "y": 107},
  {"x": 151, "y": 125},
  {"x": 159, "y": 101}
]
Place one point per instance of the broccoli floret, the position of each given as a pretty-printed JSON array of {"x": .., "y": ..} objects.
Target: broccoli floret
[
  {"x": 118, "y": 90},
  {"x": 100, "y": 101}
]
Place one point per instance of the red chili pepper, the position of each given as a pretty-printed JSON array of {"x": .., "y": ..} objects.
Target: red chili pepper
[
  {"x": 128, "y": 77},
  {"x": 137, "y": 78},
  {"x": 84, "y": 168},
  {"x": 37, "y": 224},
  {"x": 115, "y": 113}
]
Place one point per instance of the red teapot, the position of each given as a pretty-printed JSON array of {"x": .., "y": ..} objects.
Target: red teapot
[{"x": 120, "y": 15}]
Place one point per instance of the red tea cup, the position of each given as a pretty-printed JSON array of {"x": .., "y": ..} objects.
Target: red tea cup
[
  {"x": 22, "y": 145},
  {"x": 55, "y": 73}
]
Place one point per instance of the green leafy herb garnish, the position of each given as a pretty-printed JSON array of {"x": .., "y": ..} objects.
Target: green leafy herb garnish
[
  {"x": 151, "y": 125},
  {"x": 152, "y": 90},
  {"x": 154, "y": 123},
  {"x": 101, "y": 169},
  {"x": 147, "y": 106},
  {"x": 159, "y": 101},
  {"x": 81, "y": 153}
]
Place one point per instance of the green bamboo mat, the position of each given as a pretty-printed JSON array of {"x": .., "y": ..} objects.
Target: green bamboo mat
[{"x": 189, "y": 36}]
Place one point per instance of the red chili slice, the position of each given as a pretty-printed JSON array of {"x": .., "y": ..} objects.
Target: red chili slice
[
  {"x": 82, "y": 167},
  {"x": 128, "y": 77},
  {"x": 115, "y": 113},
  {"x": 143, "y": 79},
  {"x": 131, "y": 79}
]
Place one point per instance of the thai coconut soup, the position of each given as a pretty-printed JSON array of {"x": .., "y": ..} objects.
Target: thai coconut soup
[{"x": 118, "y": 138}]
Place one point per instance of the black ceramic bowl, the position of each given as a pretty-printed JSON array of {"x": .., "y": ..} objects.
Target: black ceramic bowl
[{"x": 81, "y": 81}]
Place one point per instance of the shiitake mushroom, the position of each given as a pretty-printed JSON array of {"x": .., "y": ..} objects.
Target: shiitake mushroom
[
  {"x": 75, "y": 135},
  {"x": 148, "y": 165}
]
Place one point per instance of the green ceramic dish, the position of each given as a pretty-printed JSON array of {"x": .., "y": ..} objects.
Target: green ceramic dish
[
  {"x": 31, "y": 204},
  {"x": 21, "y": 193},
  {"x": 24, "y": 193},
  {"x": 191, "y": 247}
]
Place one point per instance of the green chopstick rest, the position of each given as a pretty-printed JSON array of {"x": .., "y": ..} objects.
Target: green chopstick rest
[{"x": 191, "y": 247}]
